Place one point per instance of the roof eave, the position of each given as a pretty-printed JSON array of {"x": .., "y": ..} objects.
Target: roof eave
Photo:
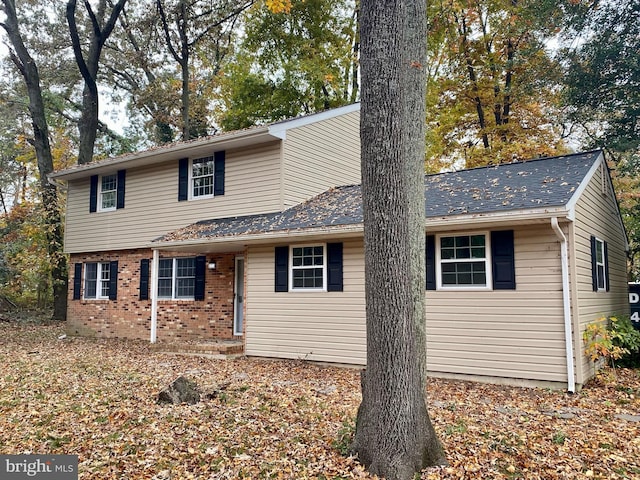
[
  {"x": 457, "y": 221},
  {"x": 236, "y": 139},
  {"x": 510, "y": 217},
  {"x": 239, "y": 139},
  {"x": 265, "y": 237}
]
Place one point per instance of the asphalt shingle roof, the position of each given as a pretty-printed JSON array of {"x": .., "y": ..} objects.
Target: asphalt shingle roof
[
  {"x": 545, "y": 182},
  {"x": 540, "y": 183}
]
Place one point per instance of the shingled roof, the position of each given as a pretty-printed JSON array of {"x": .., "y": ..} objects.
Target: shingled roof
[
  {"x": 544, "y": 182},
  {"x": 534, "y": 184}
]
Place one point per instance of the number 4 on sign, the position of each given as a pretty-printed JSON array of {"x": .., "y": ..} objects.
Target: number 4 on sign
[{"x": 635, "y": 317}]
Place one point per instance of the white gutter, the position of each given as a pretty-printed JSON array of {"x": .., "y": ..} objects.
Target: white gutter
[
  {"x": 566, "y": 300},
  {"x": 239, "y": 138},
  {"x": 57, "y": 183},
  {"x": 525, "y": 215},
  {"x": 154, "y": 296}
]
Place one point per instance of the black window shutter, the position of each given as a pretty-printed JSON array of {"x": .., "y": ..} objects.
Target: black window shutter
[
  {"x": 93, "y": 194},
  {"x": 503, "y": 260},
  {"x": 113, "y": 280},
  {"x": 431, "y": 262},
  {"x": 594, "y": 265},
  {"x": 334, "y": 267},
  {"x": 201, "y": 268},
  {"x": 77, "y": 280},
  {"x": 282, "y": 269},
  {"x": 120, "y": 189},
  {"x": 606, "y": 266},
  {"x": 218, "y": 173},
  {"x": 183, "y": 179},
  {"x": 144, "y": 279}
]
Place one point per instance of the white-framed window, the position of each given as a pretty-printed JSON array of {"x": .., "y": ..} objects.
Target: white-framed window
[
  {"x": 107, "y": 192},
  {"x": 177, "y": 278},
  {"x": 600, "y": 270},
  {"x": 463, "y": 261},
  {"x": 308, "y": 267},
  {"x": 202, "y": 177},
  {"x": 96, "y": 280}
]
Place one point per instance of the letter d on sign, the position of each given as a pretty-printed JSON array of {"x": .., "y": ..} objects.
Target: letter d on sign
[{"x": 634, "y": 298}]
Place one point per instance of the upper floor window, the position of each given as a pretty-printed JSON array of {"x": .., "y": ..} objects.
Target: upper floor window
[
  {"x": 464, "y": 261},
  {"x": 108, "y": 189},
  {"x": 97, "y": 280},
  {"x": 106, "y": 192},
  {"x": 201, "y": 177},
  {"x": 177, "y": 278}
]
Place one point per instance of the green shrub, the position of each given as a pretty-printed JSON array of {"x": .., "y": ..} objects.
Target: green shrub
[
  {"x": 613, "y": 339},
  {"x": 624, "y": 334}
]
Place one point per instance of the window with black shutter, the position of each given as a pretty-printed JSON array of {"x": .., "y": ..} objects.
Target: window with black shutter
[
  {"x": 477, "y": 260},
  {"x": 309, "y": 268}
]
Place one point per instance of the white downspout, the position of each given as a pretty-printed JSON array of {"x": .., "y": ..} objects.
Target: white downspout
[
  {"x": 154, "y": 296},
  {"x": 566, "y": 300}
]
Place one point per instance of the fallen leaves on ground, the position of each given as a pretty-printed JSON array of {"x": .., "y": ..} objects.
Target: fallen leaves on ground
[{"x": 286, "y": 419}]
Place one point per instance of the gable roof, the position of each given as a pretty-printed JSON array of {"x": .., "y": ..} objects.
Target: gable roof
[
  {"x": 543, "y": 187},
  {"x": 200, "y": 146}
]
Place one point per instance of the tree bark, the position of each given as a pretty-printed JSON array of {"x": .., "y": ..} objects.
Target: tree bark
[
  {"x": 48, "y": 192},
  {"x": 464, "y": 40},
  {"x": 394, "y": 436}
]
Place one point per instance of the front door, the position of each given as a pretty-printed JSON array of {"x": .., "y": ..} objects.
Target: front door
[{"x": 238, "y": 302}]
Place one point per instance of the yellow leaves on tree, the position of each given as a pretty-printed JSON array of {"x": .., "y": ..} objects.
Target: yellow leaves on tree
[
  {"x": 599, "y": 341},
  {"x": 278, "y": 6}
]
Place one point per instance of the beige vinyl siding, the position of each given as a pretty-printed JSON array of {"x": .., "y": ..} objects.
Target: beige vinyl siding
[
  {"x": 252, "y": 185},
  {"x": 319, "y": 326},
  {"x": 504, "y": 333},
  {"x": 597, "y": 214},
  {"x": 510, "y": 333},
  {"x": 320, "y": 156}
]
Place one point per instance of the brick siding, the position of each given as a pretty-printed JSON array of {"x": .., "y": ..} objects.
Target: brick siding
[{"x": 130, "y": 317}]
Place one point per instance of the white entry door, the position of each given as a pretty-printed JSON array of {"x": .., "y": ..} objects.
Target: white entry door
[{"x": 238, "y": 302}]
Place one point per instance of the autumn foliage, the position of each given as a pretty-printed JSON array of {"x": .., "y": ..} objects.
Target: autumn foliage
[{"x": 287, "y": 419}]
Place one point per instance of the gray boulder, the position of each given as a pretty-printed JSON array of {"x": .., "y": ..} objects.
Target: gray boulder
[{"x": 181, "y": 390}]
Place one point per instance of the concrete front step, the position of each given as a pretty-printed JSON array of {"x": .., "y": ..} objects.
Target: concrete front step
[{"x": 211, "y": 348}]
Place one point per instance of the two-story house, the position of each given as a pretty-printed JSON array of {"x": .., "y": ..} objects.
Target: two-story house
[{"x": 257, "y": 235}]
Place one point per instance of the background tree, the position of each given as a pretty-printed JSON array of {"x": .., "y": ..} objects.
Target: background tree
[
  {"x": 493, "y": 85},
  {"x": 185, "y": 24},
  {"x": 394, "y": 436},
  {"x": 294, "y": 58},
  {"x": 13, "y": 174},
  {"x": 97, "y": 32},
  {"x": 602, "y": 94},
  {"x": 26, "y": 65}
]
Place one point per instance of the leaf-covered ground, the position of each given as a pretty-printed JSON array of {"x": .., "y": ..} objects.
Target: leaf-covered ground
[{"x": 286, "y": 419}]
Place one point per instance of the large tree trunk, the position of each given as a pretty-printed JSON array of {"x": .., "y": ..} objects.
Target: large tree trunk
[
  {"x": 48, "y": 193},
  {"x": 394, "y": 436},
  {"x": 88, "y": 124}
]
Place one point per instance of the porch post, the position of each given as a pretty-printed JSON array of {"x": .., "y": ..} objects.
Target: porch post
[{"x": 154, "y": 295}]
